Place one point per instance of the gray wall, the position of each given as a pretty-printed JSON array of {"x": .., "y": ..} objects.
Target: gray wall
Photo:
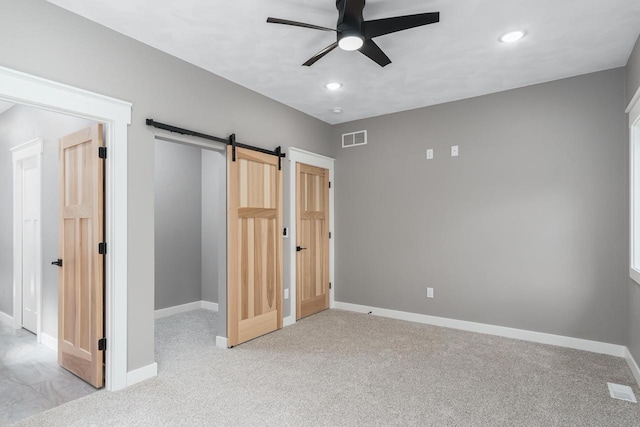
[
  {"x": 213, "y": 212},
  {"x": 633, "y": 72},
  {"x": 178, "y": 220},
  {"x": 39, "y": 38},
  {"x": 633, "y": 300},
  {"x": 526, "y": 229},
  {"x": 18, "y": 125}
]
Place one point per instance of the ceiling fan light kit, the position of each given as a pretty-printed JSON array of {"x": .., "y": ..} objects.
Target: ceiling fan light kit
[{"x": 354, "y": 33}]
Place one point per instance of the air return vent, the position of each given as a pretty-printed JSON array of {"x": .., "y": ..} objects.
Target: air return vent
[
  {"x": 354, "y": 138},
  {"x": 622, "y": 392}
]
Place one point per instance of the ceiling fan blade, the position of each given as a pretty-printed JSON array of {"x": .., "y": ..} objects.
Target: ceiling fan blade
[
  {"x": 371, "y": 49},
  {"x": 297, "y": 24},
  {"x": 320, "y": 54},
  {"x": 380, "y": 27}
]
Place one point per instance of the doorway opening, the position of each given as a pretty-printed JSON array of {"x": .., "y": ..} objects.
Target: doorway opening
[
  {"x": 25, "y": 89},
  {"x": 29, "y": 288},
  {"x": 190, "y": 242}
]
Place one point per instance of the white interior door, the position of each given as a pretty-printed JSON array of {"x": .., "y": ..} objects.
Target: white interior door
[
  {"x": 30, "y": 230},
  {"x": 27, "y": 252}
]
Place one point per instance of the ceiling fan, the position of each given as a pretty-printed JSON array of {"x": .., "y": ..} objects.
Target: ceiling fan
[{"x": 354, "y": 33}]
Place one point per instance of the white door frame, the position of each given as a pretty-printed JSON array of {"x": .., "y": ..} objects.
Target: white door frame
[
  {"x": 22, "y": 88},
  {"x": 297, "y": 155},
  {"x": 29, "y": 150}
]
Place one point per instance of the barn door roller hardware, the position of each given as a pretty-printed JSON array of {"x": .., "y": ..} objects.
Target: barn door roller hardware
[{"x": 229, "y": 141}]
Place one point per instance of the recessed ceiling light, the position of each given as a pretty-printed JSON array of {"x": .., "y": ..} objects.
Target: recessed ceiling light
[
  {"x": 512, "y": 36},
  {"x": 333, "y": 86},
  {"x": 337, "y": 110}
]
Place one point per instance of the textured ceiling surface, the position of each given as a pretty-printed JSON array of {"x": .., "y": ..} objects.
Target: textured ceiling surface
[{"x": 460, "y": 57}]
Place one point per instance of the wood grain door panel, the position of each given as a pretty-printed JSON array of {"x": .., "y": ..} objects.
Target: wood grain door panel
[
  {"x": 80, "y": 284},
  {"x": 254, "y": 287},
  {"x": 312, "y": 225}
]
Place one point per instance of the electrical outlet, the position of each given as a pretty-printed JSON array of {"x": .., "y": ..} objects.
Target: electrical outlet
[
  {"x": 429, "y": 153},
  {"x": 429, "y": 292},
  {"x": 454, "y": 151},
  {"x": 286, "y": 294}
]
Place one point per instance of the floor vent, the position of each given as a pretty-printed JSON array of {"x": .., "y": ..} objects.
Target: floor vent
[
  {"x": 354, "y": 138},
  {"x": 622, "y": 392}
]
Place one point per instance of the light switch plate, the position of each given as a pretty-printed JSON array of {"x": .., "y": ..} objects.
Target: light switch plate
[
  {"x": 454, "y": 151},
  {"x": 429, "y": 153}
]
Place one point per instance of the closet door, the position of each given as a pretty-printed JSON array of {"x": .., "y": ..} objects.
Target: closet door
[{"x": 254, "y": 221}]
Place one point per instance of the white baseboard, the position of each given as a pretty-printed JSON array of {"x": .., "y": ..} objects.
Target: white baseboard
[
  {"x": 141, "y": 374},
  {"x": 288, "y": 321},
  {"x": 213, "y": 306},
  {"x": 6, "y": 319},
  {"x": 49, "y": 341},
  {"x": 221, "y": 342},
  {"x": 196, "y": 305},
  {"x": 635, "y": 370},
  {"x": 521, "y": 334}
]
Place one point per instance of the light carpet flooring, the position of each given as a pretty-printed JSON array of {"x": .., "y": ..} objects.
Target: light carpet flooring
[{"x": 345, "y": 369}]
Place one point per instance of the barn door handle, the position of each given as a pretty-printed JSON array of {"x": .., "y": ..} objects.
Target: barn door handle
[
  {"x": 58, "y": 262},
  {"x": 299, "y": 248}
]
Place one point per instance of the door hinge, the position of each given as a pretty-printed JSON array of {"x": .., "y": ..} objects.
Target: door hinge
[
  {"x": 102, "y": 344},
  {"x": 102, "y": 248},
  {"x": 329, "y": 184},
  {"x": 102, "y": 152},
  {"x": 329, "y": 234},
  {"x": 329, "y": 285}
]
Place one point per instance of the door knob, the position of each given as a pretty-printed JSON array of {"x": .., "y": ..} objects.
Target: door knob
[
  {"x": 299, "y": 248},
  {"x": 58, "y": 262}
]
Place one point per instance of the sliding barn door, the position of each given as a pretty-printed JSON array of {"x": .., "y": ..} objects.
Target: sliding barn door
[
  {"x": 80, "y": 283},
  {"x": 254, "y": 287},
  {"x": 312, "y": 245}
]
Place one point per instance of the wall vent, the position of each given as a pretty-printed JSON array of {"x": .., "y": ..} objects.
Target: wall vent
[
  {"x": 354, "y": 138},
  {"x": 622, "y": 392}
]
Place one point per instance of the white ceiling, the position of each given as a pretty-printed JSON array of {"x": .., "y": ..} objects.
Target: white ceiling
[
  {"x": 4, "y": 106},
  {"x": 460, "y": 57}
]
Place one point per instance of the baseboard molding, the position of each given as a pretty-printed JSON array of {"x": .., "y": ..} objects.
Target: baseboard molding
[
  {"x": 49, "y": 341},
  {"x": 288, "y": 321},
  {"x": 6, "y": 319},
  {"x": 521, "y": 334},
  {"x": 196, "y": 305},
  {"x": 213, "y": 306},
  {"x": 221, "y": 342},
  {"x": 635, "y": 370},
  {"x": 141, "y": 374}
]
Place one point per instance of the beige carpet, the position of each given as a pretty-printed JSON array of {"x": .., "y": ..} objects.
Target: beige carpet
[{"x": 339, "y": 368}]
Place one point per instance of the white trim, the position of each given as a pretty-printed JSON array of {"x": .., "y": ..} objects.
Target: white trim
[
  {"x": 635, "y": 100},
  {"x": 221, "y": 342},
  {"x": 142, "y": 374},
  {"x": 483, "y": 328},
  {"x": 208, "y": 305},
  {"x": 297, "y": 155},
  {"x": 49, "y": 341},
  {"x": 26, "y": 89},
  {"x": 6, "y": 319},
  {"x": 633, "y": 109},
  {"x": 635, "y": 370},
  {"x": 183, "y": 308},
  {"x": 31, "y": 149}
]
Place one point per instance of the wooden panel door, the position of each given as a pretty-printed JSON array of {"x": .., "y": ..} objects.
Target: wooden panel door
[
  {"x": 80, "y": 283},
  {"x": 254, "y": 221},
  {"x": 312, "y": 234}
]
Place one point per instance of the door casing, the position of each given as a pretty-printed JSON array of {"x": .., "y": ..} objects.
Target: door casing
[
  {"x": 29, "y": 150},
  {"x": 296, "y": 155},
  {"x": 23, "y": 88}
]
